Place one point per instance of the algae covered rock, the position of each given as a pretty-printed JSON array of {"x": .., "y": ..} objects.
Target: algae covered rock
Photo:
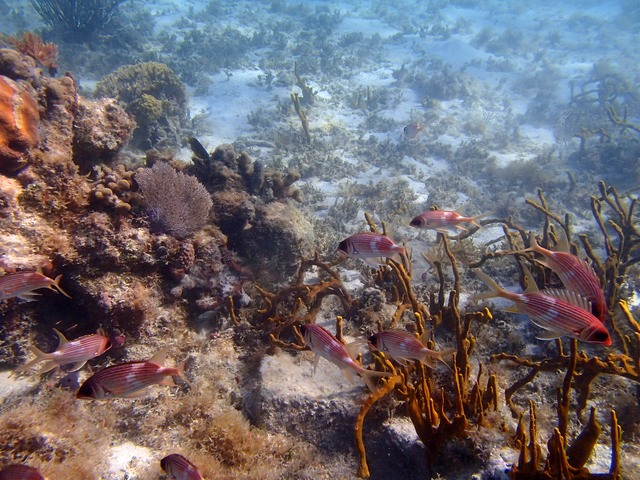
[
  {"x": 156, "y": 98},
  {"x": 102, "y": 128},
  {"x": 280, "y": 236}
]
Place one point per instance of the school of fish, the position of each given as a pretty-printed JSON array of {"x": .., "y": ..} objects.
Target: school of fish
[{"x": 578, "y": 311}]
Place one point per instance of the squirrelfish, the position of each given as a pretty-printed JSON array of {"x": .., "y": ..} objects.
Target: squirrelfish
[
  {"x": 76, "y": 351},
  {"x": 403, "y": 347},
  {"x": 373, "y": 248},
  {"x": 130, "y": 380},
  {"x": 575, "y": 273},
  {"x": 412, "y": 130},
  {"x": 444, "y": 221},
  {"x": 560, "y": 312},
  {"x": 23, "y": 284},
  {"x": 179, "y": 468},
  {"x": 20, "y": 472},
  {"x": 324, "y": 344}
]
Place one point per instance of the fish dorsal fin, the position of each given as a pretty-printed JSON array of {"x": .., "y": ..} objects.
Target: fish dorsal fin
[
  {"x": 62, "y": 340},
  {"x": 532, "y": 286},
  {"x": 160, "y": 357},
  {"x": 424, "y": 338},
  {"x": 570, "y": 297}
]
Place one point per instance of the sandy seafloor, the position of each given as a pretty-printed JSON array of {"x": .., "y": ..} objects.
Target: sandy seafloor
[{"x": 516, "y": 86}]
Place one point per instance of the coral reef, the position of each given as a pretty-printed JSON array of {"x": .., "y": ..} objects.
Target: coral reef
[
  {"x": 156, "y": 98},
  {"x": 115, "y": 188},
  {"x": 46, "y": 53}
]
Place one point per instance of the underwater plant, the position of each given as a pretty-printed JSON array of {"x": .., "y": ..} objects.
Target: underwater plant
[{"x": 76, "y": 19}]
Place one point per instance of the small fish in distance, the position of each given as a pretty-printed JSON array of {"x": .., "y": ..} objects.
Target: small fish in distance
[
  {"x": 444, "y": 221},
  {"x": 325, "y": 345},
  {"x": 412, "y": 130},
  {"x": 403, "y": 347},
  {"x": 20, "y": 472},
  {"x": 23, "y": 284},
  {"x": 130, "y": 380},
  {"x": 575, "y": 273},
  {"x": 198, "y": 150},
  {"x": 560, "y": 312},
  {"x": 179, "y": 467},
  {"x": 372, "y": 248},
  {"x": 77, "y": 352}
]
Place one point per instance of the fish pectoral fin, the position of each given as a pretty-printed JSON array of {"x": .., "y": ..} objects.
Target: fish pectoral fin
[
  {"x": 512, "y": 309},
  {"x": 77, "y": 366},
  {"x": 549, "y": 335},
  {"x": 135, "y": 394},
  {"x": 375, "y": 262},
  {"x": 29, "y": 296},
  {"x": 403, "y": 361}
]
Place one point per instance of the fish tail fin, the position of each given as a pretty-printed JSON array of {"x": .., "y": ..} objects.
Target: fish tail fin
[
  {"x": 40, "y": 357},
  {"x": 183, "y": 377},
  {"x": 474, "y": 220},
  {"x": 495, "y": 289},
  {"x": 440, "y": 355},
  {"x": 369, "y": 375},
  {"x": 56, "y": 285}
]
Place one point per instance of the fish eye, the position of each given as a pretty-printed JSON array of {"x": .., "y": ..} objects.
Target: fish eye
[
  {"x": 415, "y": 222},
  {"x": 373, "y": 339}
]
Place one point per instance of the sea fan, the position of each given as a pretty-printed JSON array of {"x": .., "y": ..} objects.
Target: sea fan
[{"x": 178, "y": 203}]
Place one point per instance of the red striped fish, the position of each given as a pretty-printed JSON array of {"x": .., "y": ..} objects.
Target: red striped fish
[
  {"x": 77, "y": 352},
  {"x": 560, "y": 312},
  {"x": 373, "y": 248},
  {"x": 325, "y": 345},
  {"x": 179, "y": 468},
  {"x": 23, "y": 284},
  {"x": 20, "y": 472},
  {"x": 130, "y": 380},
  {"x": 404, "y": 347},
  {"x": 575, "y": 274},
  {"x": 444, "y": 221}
]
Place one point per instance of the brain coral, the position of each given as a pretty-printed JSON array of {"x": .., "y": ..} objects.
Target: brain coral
[{"x": 19, "y": 120}]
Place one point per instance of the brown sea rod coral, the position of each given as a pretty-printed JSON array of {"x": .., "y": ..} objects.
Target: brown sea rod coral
[{"x": 179, "y": 203}]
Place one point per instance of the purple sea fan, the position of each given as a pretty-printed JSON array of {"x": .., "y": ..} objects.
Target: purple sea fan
[{"x": 179, "y": 203}]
